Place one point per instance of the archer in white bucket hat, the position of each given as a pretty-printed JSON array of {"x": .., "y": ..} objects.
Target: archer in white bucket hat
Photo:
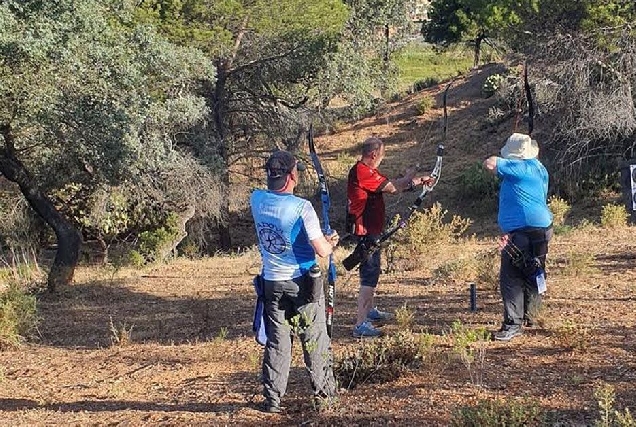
[
  {"x": 521, "y": 147},
  {"x": 526, "y": 220}
]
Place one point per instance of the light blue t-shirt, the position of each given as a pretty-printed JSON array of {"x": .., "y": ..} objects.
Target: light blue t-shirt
[
  {"x": 285, "y": 224},
  {"x": 523, "y": 194}
]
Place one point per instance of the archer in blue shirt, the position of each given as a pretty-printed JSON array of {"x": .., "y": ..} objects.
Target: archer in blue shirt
[{"x": 526, "y": 220}]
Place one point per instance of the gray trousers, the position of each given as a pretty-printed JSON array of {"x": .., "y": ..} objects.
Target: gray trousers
[
  {"x": 288, "y": 310},
  {"x": 521, "y": 299}
]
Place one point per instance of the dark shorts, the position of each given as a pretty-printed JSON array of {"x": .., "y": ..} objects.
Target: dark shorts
[{"x": 370, "y": 270}]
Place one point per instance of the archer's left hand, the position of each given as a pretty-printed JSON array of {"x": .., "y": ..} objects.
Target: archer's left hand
[{"x": 424, "y": 180}]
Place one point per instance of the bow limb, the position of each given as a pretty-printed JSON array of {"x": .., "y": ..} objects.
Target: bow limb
[
  {"x": 526, "y": 85},
  {"x": 326, "y": 204}
]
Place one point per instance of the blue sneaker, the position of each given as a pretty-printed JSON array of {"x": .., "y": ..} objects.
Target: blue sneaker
[
  {"x": 376, "y": 315},
  {"x": 366, "y": 329}
]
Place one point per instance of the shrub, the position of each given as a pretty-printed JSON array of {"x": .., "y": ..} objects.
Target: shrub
[
  {"x": 428, "y": 227},
  {"x": 152, "y": 243},
  {"x": 378, "y": 361},
  {"x": 605, "y": 396},
  {"x": 405, "y": 318},
  {"x": 121, "y": 334},
  {"x": 425, "y": 104},
  {"x": 476, "y": 183},
  {"x": 425, "y": 83},
  {"x": 559, "y": 208},
  {"x": 487, "y": 264},
  {"x": 509, "y": 413},
  {"x": 491, "y": 85},
  {"x": 573, "y": 336},
  {"x": 578, "y": 264},
  {"x": 469, "y": 345},
  {"x": 456, "y": 269},
  {"x": 18, "y": 316},
  {"x": 614, "y": 216}
]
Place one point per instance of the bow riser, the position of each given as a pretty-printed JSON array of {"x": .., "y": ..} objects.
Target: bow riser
[{"x": 326, "y": 205}]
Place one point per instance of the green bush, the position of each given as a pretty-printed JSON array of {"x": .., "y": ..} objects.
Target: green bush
[
  {"x": 152, "y": 242},
  {"x": 560, "y": 209},
  {"x": 476, "y": 183},
  {"x": 488, "y": 269},
  {"x": 614, "y": 216},
  {"x": 491, "y": 85},
  {"x": 573, "y": 336},
  {"x": 469, "y": 346},
  {"x": 425, "y": 104},
  {"x": 425, "y": 83},
  {"x": 18, "y": 316},
  {"x": 428, "y": 227},
  {"x": 578, "y": 264},
  {"x": 378, "y": 361},
  {"x": 496, "y": 413},
  {"x": 605, "y": 396},
  {"x": 461, "y": 269}
]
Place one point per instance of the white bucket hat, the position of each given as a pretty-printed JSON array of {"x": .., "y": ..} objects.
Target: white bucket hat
[{"x": 520, "y": 146}]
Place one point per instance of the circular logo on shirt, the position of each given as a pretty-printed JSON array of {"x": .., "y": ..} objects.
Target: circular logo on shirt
[{"x": 271, "y": 239}]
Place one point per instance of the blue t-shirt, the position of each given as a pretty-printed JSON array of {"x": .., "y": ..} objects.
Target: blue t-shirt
[
  {"x": 285, "y": 225},
  {"x": 523, "y": 194}
]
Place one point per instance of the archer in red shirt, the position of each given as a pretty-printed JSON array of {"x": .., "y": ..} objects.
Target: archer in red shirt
[{"x": 366, "y": 216}]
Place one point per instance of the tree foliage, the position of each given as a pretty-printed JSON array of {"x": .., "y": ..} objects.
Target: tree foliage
[
  {"x": 267, "y": 55},
  {"x": 86, "y": 97},
  {"x": 453, "y": 21},
  {"x": 360, "y": 69}
]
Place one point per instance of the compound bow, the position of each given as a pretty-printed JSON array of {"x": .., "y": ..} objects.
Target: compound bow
[
  {"x": 326, "y": 203},
  {"x": 367, "y": 246}
]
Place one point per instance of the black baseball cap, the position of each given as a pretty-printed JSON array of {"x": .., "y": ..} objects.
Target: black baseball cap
[{"x": 280, "y": 164}]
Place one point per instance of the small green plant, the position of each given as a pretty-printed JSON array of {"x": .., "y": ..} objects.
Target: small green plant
[
  {"x": 405, "y": 318},
  {"x": 222, "y": 335},
  {"x": 18, "y": 316},
  {"x": 605, "y": 395},
  {"x": 496, "y": 413},
  {"x": 190, "y": 249},
  {"x": 560, "y": 209},
  {"x": 491, "y": 85},
  {"x": 425, "y": 83},
  {"x": 425, "y": 104},
  {"x": 121, "y": 334},
  {"x": 476, "y": 183},
  {"x": 573, "y": 336},
  {"x": 487, "y": 263},
  {"x": 470, "y": 346},
  {"x": 614, "y": 216},
  {"x": 578, "y": 264},
  {"x": 136, "y": 259}
]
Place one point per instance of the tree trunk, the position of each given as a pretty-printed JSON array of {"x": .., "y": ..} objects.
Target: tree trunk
[
  {"x": 219, "y": 105},
  {"x": 68, "y": 238},
  {"x": 477, "y": 58},
  {"x": 386, "y": 39},
  {"x": 184, "y": 216}
]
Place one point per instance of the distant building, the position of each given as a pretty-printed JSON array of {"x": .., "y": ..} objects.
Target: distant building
[{"x": 420, "y": 10}]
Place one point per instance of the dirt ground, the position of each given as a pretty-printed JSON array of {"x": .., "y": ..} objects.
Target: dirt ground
[{"x": 171, "y": 344}]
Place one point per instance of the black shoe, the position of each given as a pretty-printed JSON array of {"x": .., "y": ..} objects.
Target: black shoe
[
  {"x": 270, "y": 407},
  {"x": 508, "y": 332}
]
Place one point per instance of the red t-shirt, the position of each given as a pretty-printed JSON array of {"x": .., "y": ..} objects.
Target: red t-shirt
[{"x": 365, "y": 203}]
